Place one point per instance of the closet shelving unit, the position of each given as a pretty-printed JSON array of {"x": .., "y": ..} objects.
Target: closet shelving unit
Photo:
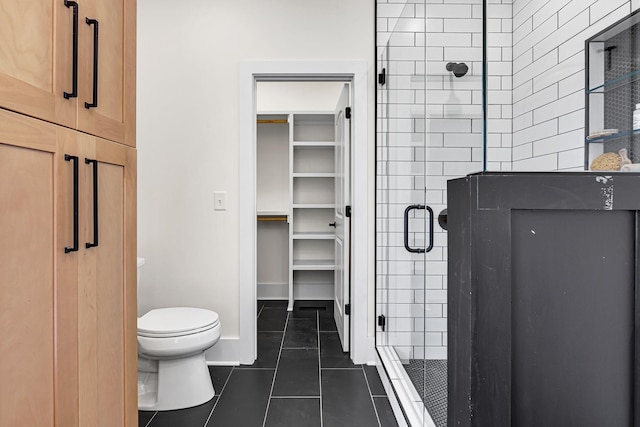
[{"x": 310, "y": 207}]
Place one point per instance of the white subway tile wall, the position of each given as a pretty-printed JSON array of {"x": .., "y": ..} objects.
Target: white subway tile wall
[
  {"x": 548, "y": 78},
  {"x": 430, "y": 127},
  {"x": 429, "y": 131}
]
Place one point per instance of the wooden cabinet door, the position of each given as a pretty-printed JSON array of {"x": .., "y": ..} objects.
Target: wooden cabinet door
[
  {"x": 27, "y": 282},
  {"x": 107, "y": 70},
  {"x": 107, "y": 289},
  {"x": 36, "y": 59}
]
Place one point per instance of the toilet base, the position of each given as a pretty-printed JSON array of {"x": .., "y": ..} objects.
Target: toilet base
[{"x": 177, "y": 384}]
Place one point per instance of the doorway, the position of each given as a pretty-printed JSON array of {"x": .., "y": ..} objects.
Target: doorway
[
  {"x": 253, "y": 75},
  {"x": 303, "y": 143}
]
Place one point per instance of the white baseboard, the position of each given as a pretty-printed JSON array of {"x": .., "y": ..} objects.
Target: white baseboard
[
  {"x": 272, "y": 291},
  {"x": 226, "y": 352},
  {"x": 313, "y": 291},
  {"x": 301, "y": 291}
]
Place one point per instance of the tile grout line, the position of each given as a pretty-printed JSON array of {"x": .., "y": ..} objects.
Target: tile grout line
[
  {"x": 375, "y": 409},
  {"x": 219, "y": 396},
  {"x": 319, "y": 365},
  {"x": 275, "y": 372},
  {"x": 152, "y": 417},
  {"x": 295, "y": 397}
]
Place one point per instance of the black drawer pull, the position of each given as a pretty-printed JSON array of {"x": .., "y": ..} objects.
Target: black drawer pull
[
  {"x": 74, "y": 159},
  {"x": 94, "y": 103},
  {"x": 95, "y": 203},
  {"x": 74, "y": 69}
]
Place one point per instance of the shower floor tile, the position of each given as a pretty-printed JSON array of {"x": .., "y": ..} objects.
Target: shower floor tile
[
  {"x": 429, "y": 377},
  {"x": 316, "y": 385}
]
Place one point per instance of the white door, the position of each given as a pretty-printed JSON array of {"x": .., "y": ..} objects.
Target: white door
[{"x": 342, "y": 226}]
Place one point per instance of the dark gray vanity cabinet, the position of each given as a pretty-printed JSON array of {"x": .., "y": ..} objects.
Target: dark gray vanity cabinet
[{"x": 543, "y": 320}]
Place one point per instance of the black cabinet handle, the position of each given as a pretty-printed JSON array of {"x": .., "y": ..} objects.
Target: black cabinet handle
[
  {"x": 406, "y": 229},
  {"x": 332, "y": 224},
  {"x": 74, "y": 159},
  {"x": 74, "y": 88},
  {"x": 94, "y": 103},
  {"x": 95, "y": 203}
]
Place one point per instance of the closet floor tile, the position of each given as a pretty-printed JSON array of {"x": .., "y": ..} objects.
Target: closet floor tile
[
  {"x": 331, "y": 354},
  {"x": 273, "y": 303},
  {"x": 268, "y": 350},
  {"x": 272, "y": 319},
  {"x": 301, "y": 333},
  {"x": 190, "y": 417},
  {"x": 293, "y": 413},
  {"x": 219, "y": 376},
  {"x": 375, "y": 384},
  {"x": 385, "y": 413},
  {"x": 297, "y": 373},
  {"x": 282, "y": 388},
  {"x": 244, "y": 399},
  {"x": 326, "y": 323},
  {"x": 345, "y": 396},
  {"x": 144, "y": 417}
]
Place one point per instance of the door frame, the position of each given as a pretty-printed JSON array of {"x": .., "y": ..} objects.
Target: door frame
[{"x": 356, "y": 72}]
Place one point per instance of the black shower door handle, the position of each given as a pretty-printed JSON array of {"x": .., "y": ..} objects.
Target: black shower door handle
[
  {"x": 94, "y": 103},
  {"x": 74, "y": 159},
  {"x": 74, "y": 69},
  {"x": 406, "y": 229},
  {"x": 95, "y": 203}
]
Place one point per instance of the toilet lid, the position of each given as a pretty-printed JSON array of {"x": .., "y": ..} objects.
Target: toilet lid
[{"x": 176, "y": 320}]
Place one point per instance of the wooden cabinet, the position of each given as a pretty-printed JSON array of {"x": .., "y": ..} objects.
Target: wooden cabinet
[
  {"x": 36, "y": 59},
  {"x": 104, "y": 266},
  {"x": 27, "y": 272},
  {"x": 68, "y": 311},
  {"x": 37, "y": 65},
  {"x": 67, "y": 306},
  {"x": 113, "y": 58}
]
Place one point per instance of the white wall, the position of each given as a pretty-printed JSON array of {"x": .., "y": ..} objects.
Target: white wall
[
  {"x": 548, "y": 78},
  {"x": 297, "y": 96},
  {"x": 188, "y": 69}
]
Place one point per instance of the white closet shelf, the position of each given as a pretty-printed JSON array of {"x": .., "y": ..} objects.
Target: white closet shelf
[
  {"x": 313, "y": 144},
  {"x": 311, "y": 264},
  {"x": 314, "y": 206},
  {"x": 314, "y": 175},
  {"x": 316, "y": 235},
  {"x": 272, "y": 213}
]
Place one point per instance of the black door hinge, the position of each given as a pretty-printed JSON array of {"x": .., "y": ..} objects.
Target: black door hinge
[
  {"x": 347, "y": 309},
  {"x": 382, "y": 321},
  {"x": 347, "y": 211},
  {"x": 382, "y": 77},
  {"x": 347, "y": 112}
]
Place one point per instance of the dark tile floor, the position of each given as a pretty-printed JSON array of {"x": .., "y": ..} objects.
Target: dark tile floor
[{"x": 301, "y": 378}]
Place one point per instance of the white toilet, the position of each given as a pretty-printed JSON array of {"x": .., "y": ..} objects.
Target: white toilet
[{"x": 172, "y": 372}]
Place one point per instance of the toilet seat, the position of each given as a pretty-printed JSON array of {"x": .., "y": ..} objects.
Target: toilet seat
[{"x": 176, "y": 322}]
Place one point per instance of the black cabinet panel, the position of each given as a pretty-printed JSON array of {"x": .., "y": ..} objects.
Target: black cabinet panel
[
  {"x": 543, "y": 302},
  {"x": 572, "y": 317}
]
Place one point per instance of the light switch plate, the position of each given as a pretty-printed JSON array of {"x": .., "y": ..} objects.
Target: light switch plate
[{"x": 220, "y": 200}]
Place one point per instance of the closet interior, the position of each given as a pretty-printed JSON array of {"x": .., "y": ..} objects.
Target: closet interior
[{"x": 295, "y": 202}]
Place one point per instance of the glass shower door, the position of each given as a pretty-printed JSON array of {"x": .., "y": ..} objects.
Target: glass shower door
[
  {"x": 430, "y": 129},
  {"x": 403, "y": 219}
]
